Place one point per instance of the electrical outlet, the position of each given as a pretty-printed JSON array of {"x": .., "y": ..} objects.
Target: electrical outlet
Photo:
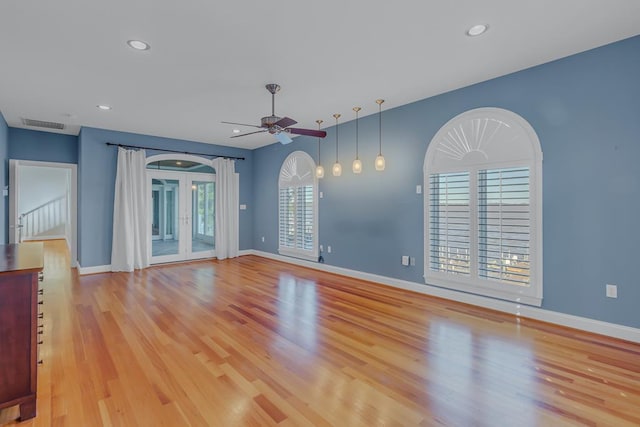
[
  {"x": 329, "y": 249},
  {"x": 612, "y": 291},
  {"x": 321, "y": 194},
  {"x": 418, "y": 189},
  {"x": 262, "y": 239},
  {"x": 321, "y": 248},
  {"x": 243, "y": 207},
  {"x": 412, "y": 261}
]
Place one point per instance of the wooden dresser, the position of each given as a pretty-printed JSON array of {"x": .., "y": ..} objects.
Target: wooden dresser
[{"x": 20, "y": 270}]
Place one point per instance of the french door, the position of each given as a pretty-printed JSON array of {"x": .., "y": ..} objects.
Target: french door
[{"x": 182, "y": 217}]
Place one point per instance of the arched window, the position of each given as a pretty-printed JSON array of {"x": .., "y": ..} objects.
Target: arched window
[
  {"x": 483, "y": 206},
  {"x": 298, "y": 207}
]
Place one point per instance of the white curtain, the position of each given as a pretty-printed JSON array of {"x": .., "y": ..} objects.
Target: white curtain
[
  {"x": 227, "y": 208},
  {"x": 130, "y": 247}
]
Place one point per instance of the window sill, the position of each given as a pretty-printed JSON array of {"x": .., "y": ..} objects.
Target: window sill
[
  {"x": 517, "y": 295},
  {"x": 307, "y": 256}
]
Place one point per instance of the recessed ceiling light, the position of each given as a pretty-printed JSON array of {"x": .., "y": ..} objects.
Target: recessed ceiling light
[
  {"x": 476, "y": 30},
  {"x": 104, "y": 107},
  {"x": 236, "y": 131},
  {"x": 138, "y": 45}
]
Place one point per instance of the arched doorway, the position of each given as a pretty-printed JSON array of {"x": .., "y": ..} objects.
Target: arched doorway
[{"x": 182, "y": 207}]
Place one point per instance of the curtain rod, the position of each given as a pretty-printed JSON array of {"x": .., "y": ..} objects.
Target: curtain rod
[{"x": 173, "y": 151}]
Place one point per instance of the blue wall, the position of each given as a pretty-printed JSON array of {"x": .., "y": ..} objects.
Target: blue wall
[
  {"x": 4, "y": 167},
  {"x": 40, "y": 146},
  {"x": 586, "y": 112},
  {"x": 96, "y": 182}
]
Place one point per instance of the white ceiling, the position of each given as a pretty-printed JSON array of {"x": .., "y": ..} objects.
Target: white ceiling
[{"x": 209, "y": 60}]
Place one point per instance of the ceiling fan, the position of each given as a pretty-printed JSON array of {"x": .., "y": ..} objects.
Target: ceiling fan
[{"x": 278, "y": 126}]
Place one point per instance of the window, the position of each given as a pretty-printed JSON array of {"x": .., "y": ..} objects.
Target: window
[
  {"x": 203, "y": 199},
  {"x": 483, "y": 207},
  {"x": 298, "y": 207}
]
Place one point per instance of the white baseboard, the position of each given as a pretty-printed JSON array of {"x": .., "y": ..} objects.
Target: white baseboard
[
  {"x": 576, "y": 322},
  {"x": 93, "y": 270},
  {"x": 107, "y": 268}
]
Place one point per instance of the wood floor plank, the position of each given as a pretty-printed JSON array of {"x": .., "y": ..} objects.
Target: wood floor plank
[{"x": 254, "y": 342}]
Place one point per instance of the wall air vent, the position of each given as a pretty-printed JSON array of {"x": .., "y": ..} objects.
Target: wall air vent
[{"x": 42, "y": 124}]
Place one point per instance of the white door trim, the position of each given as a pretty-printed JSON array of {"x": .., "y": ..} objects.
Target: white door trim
[
  {"x": 14, "y": 197},
  {"x": 183, "y": 206}
]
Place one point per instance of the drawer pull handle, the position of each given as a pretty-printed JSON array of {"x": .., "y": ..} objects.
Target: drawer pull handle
[
  {"x": 40, "y": 342},
  {"x": 40, "y": 362},
  {"x": 40, "y": 315},
  {"x": 40, "y": 302},
  {"x": 41, "y": 276},
  {"x": 40, "y": 291}
]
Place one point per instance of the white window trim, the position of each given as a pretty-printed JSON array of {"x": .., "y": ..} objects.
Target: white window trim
[
  {"x": 306, "y": 165},
  {"x": 524, "y": 151}
]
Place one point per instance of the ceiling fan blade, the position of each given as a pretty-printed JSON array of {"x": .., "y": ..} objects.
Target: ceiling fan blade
[
  {"x": 285, "y": 122},
  {"x": 307, "y": 132},
  {"x": 282, "y": 137},
  {"x": 241, "y": 124},
  {"x": 250, "y": 133}
]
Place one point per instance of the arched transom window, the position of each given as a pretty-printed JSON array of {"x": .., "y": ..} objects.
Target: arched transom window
[
  {"x": 298, "y": 207},
  {"x": 483, "y": 206}
]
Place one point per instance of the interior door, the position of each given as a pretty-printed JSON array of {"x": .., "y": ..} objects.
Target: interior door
[
  {"x": 182, "y": 215},
  {"x": 14, "y": 217}
]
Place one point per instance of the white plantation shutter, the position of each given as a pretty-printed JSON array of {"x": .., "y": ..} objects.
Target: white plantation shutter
[
  {"x": 287, "y": 217},
  {"x": 298, "y": 207},
  {"x": 504, "y": 225},
  {"x": 483, "y": 206},
  {"x": 449, "y": 230},
  {"x": 304, "y": 218}
]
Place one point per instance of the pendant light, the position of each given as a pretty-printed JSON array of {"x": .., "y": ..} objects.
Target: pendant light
[
  {"x": 337, "y": 167},
  {"x": 380, "y": 163},
  {"x": 319, "y": 168},
  {"x": 357, "y": 163}
]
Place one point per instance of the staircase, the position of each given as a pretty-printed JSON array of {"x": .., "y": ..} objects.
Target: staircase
[{"x": 47, "y": 220}]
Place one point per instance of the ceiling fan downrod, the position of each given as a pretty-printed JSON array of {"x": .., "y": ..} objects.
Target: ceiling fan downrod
[{"x": 273, "y": 88}]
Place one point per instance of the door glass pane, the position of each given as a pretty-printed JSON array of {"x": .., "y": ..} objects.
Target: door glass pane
[
  {"x": 165, "y": 227},
  {"x": 155, "y": 207},
  {"x": 203, "y": 206}
]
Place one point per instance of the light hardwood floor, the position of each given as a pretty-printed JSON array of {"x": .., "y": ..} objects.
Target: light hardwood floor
[{"x": 253, "y": 342}]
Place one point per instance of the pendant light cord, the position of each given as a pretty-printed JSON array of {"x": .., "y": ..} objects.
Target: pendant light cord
[
  {"x": 319, "y": 122},
  {"x": 357, "y": 110},
  {"x": 380, "y": 128},
  {"x": 337, "y": 116}
]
